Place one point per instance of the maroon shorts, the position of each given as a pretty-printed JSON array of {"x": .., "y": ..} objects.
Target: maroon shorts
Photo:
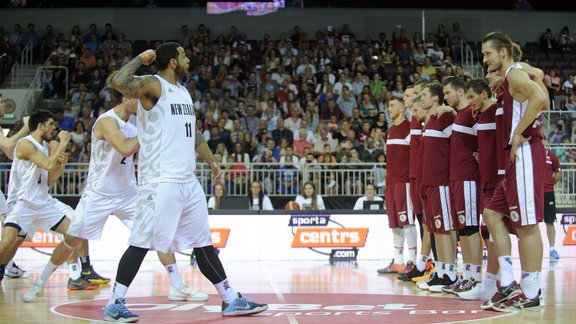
[
  {"x": 436, "y": 203},
  {"x": 465, "y": 203},
  {"x": 520, "y": 195},
  {"x": 487, "y": 193},
  {"x": 399, "y": 205},
  {"x": 415, "y": 195}
]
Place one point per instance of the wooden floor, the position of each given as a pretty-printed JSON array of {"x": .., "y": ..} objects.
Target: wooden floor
[{"x": 315, "y": 290}]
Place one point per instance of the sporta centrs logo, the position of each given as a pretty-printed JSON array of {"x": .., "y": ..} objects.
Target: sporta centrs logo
[
  {"x": 329, "y": 237},
  {"x": 219, "y": 237}
]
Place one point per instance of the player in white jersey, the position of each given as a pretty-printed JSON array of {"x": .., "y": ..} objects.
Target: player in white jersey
[
  {"x": 111, "y": 190},
  {"x": 30, "y": 206},
  {"x": 7, "y": 145},
  {"x": 171, "y": 213}
]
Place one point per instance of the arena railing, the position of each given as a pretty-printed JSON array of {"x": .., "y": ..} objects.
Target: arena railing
[{"x": 331, "y": 179}]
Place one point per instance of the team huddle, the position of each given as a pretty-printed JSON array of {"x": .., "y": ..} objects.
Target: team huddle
[{"x": 476, "y": 156}]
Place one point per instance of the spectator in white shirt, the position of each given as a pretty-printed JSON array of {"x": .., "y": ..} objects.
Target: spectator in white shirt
[
  {"x": 369, "y": 196},
  {"x": 310, "y": 199},
  {"x": 257, "y": 200}
]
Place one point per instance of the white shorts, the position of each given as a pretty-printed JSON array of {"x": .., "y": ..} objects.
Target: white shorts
[
  {"x": 93, "y": 211},
  {"x": 171, "y": 217},
  {"x": 29, "y": 219}
]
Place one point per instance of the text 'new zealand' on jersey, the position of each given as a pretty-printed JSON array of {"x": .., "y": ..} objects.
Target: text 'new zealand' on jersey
[{"x": 167, "y": 135}]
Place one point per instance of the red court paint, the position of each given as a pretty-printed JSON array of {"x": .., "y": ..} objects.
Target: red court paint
[{"x": 297, "y": 308}]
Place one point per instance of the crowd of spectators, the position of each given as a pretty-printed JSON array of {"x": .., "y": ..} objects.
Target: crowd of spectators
[{"x": 278, "y": 105}]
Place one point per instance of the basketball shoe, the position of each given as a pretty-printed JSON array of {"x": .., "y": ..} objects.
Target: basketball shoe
[
  {"x": 407, "y": 268},
  {"x": 430, "y": 269},
  {"x": 242, "y": 306},
  {"x": 450, "y": 289},
  {"x": 471, "y": 290},
  {"x": 437, "y": 284},
  {"x": 81, "y": 284},
  {"x": 392, "y": 268},
  {"x": 502, "y": 295},
  {"x": 185, "y": 293},
  {"x": 519, "y": 302},
  {"x": 118, "y": 312},
  {"x": 94, "y": 277},
  {"x": 32, "y": 294},
  {"x": 16, "y": 272}
]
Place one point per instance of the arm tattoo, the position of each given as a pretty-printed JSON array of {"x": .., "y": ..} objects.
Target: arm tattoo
[
  {"x": 125, "y": 82},
  {"x": 199, "y": 138}
]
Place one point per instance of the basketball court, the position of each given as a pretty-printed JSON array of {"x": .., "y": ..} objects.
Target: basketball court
[{"x": 302, "y": 291}]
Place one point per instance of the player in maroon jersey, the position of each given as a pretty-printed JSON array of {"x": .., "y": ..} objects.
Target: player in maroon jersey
[
  {"x": 464, "y": 191},
  {"x": 435, "y": 146},
  {"x": 552, "y": 176},
  {"x": 479, "y": 96},
  {"x": 521, "y": 193},
  {"x": 398, "y": 202}
]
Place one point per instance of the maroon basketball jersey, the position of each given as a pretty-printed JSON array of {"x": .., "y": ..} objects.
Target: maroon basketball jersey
[
  {"x": 436, "y": 150},
  {"x": 463, "y": 143},
  {"x": 487, "y": 148},
  {"x": 398, "y": 153},
  {"x": 552, "y": 166},
  {"x": 415, "y": 137},
  {"x": 513, "y": 112}
]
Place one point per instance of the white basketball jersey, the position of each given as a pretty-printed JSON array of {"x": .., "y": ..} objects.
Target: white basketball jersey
[
  {"x": 28, "y": 182},
  {"x": 166, "y": 134},
  {"x": 110, "y": 173}
]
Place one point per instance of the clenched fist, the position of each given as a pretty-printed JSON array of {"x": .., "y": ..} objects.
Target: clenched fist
[
  {"x": 148, "y": 56},
  {"x": 64, "y": 136}
]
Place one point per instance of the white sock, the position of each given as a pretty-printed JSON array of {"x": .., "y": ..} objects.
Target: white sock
[
  {"x": 451, "y": 271},
  {"x": 174, "y": 275},
  {"x": 477, "y": 272},
  {"x": 119, "y": 291},
  {"x": 440, "y": 269},
  {"x": 48, "y": 270},
  {"x": 530, "y": 284},
  {"x": 226, "y": 292},
  {"x": 552, "y": 248},
  {"x": 398, "y": 235},
  {"x": 412, "y": 240},
  {"x": 75, "y": 270},
  {"x": 467, "y": 274},
  {"x": 489, "y": 281},
  {"x": 9, "y": 265},
  {"x": 506, "y": 271},
  {"x": 421, "y": 264}
]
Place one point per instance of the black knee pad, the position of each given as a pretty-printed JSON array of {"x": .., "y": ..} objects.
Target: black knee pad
[{"x": 469, "y": 230}]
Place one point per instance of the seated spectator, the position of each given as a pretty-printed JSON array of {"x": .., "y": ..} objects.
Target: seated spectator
[
  {"x": 568, "y": 85},
  {"x": 293, "y": 120},
  {"x": 555, "y": 136},
  {"x": 282, "y": 132},
  {"x": 571, "y": 102},
  {"x": 302, "y": 142},
  {"x": 552, "y": 82},
  {"x": 214, "y": 201},
  {"x": 322, "y": 140},
  {"x": 566, "y": 41},
  {"x": 289, "y": 158},
  {"x": 331, "y": 109},
  {"x": 366, "y": 105},
  {"x": 548, "y": 42},
  {"x": 240, "y": 156},
  {"x": 346, "y": 102},
  {"x": 428, "y": 71},
  {"x": 309, "y": 199},
  {"x": 257, "y": 200},
  {"x": 369, "y": 195},
  {"x": 436, "y": 55},
  {"x": 288, "y": 180}
]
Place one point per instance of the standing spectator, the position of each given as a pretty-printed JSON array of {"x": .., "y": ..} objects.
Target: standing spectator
[
  {"x": 441, "y": 37},
  {"x": 32, "y": 36},
  {"x": 15, "y": 41},
  {"x": 552, "y": 176},
  {"x": 456, "y": 39}
]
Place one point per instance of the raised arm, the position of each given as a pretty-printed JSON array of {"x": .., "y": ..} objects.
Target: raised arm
[{"x": 146, "y": 88}]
